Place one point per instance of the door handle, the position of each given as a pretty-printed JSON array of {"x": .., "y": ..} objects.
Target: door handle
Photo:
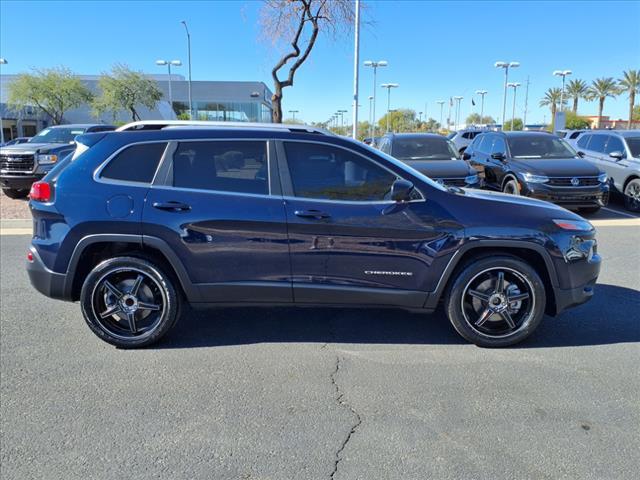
[
  {"x": 172, "y": 206},
  {"x": 316, "y": 214}
]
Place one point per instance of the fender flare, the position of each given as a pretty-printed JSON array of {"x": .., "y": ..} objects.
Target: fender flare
[{"x": 435, "y": 296}]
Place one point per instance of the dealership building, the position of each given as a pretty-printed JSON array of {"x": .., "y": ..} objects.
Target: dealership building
[{"x": 212, "y": 100}]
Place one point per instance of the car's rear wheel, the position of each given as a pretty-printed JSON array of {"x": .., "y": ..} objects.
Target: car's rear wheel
[
  {"x": 496, "y": 301},
  {"x": 129, "y": 302},
  {"x": 632, "y": 195},
  {"x": 511, "y": 187},
  {"x": 15, "y": 193}
]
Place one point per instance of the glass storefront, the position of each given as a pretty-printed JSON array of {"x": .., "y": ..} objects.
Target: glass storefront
[{"x": 226, "y": 111}]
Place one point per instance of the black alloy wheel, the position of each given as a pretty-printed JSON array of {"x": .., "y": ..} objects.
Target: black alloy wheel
[
  {"x": 496, "y": 301},
  {"x": 632, "y": 195},
  {"x": 129, "y": 302}
]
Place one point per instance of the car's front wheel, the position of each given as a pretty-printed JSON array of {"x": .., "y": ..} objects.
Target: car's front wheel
[
  {"x": 15, "y": 193},
  {"x": 129, "y": 302},
  {"x": 632, "y": 195},
  {"x": 511, "y": 187},
  {"x": 496, "y": 301}
]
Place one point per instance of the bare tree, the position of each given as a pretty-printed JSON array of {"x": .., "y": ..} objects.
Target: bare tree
[{"x": 298, "y": 23}]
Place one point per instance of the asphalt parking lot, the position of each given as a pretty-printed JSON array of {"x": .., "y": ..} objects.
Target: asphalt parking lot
[{"x": 319, "y": 393}]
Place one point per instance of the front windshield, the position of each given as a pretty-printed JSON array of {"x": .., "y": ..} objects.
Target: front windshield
[
  {"x": 634, "y": 146},
  {"x": 403, "y": 166},
  {"x": 539, "y": 146},
  {"x": 57, "y": 135},
  {"x": 423, "y": 148}
]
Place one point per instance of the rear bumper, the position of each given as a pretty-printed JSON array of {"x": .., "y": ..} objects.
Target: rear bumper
[{"x": 47, "y": 282}]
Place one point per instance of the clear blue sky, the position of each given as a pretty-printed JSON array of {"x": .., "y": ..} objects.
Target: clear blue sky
[{"x": 435, "y": 50}]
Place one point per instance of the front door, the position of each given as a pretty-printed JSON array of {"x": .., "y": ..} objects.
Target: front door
[
  {"x": 220, "y": 210},
  {"x": 349, "y": 243}
]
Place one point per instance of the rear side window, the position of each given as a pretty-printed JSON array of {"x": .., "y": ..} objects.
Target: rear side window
[
  {"x": 327, "y": 172},
  {"x": 239, "y": 167},
  {"x": 137, "y": 163},
  {"x": 597, "y": 143},
  {"x": 583, "y": 141}
]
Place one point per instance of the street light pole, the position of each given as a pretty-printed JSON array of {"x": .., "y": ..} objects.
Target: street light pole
[
  {"x": 458, "y": 99},
  {"x": 526, "y": 103},
  {"x": 370, "y": 112},
  {"x": 441, "y": 103},
  {"x": 389, "y": 86},
  {"x": 482, "y": 93},
  {"x": 293, "y": 112},
  {"x": 356, "y": 71},
  {"x": 342, "y": 112},
  {"x": 3, "y": 61},
  {"x": 374, "y": 65},
  {"x": 515, "y": 86},
  {"x": 168, "y": 63},
  {"x": 189, "y": 54},
  {"x": 563, "y": 74},
  {"x": 506, "y": 66}
]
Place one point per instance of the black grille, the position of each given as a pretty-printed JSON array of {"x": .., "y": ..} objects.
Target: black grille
[
  {"x": 566, "y": 181},
  {"x": 16, "y": 163}
]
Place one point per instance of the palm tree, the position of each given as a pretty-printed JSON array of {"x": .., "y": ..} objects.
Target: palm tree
[
  {"x": 577, "y": 89},
  {"x": 630, "y": 83},
  {"x": 600, "y": 89},
  {"x": 552, "y": 99}
]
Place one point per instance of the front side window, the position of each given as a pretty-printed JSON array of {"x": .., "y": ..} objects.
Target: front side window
[
  {"x": 499, "y": 146},
  {"x": 539, "y": 146},
  {"x": 327, "y": 172},
  {"x": 484, "y": 143},
  {"x": 137, "y": 163},
  {"x": 614, "y": 145},
  {"x": 233, "y": 166}
]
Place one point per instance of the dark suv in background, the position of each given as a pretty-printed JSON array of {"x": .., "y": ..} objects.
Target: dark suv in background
[
  {"x": 538, "y": 165},
  {"x": 138, "y": 222},
  {"x": 24, "y": 163},
  {"x": 431, "y": 154}
]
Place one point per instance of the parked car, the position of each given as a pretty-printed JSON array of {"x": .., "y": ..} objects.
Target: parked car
[
  {"x": 25, "y": 163},
  {"x": 463, "y": 138},
  {"x": 538, "y": 165},
  {"x": 290, "y": 215},
  {"x": 618, "y": 154},
  {"x": 16, "y": 141},
  {"x": 431, "y": 154},
  {"x": 569, "y": 135}
]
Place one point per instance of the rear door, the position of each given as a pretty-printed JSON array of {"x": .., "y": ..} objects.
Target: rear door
[
  {"x": 349, "y": 244},
  {"x": 218, "y": 206}
]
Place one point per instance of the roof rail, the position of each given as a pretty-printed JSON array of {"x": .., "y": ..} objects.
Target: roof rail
[{"x": 191, "y": 124}]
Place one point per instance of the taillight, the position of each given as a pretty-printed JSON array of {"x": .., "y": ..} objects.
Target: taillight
[
  {"x": 41, "y": 192},
  {"x": 30, "y": 257}
]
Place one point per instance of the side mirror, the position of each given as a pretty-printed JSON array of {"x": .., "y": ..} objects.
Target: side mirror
[
  {"x": 401, "y": 190},
  {"x": 618, "y": 155},
  {"x": 581, "y": 154},
  {"x": 466, "y": 156},
  {"x": 498, "y": 156}
]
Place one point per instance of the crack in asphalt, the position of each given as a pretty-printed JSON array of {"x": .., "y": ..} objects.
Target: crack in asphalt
[{"x": 341, "y": 402}]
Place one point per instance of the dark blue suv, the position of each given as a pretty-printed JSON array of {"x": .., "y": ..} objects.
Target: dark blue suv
[{"x": 136, "y": 223}]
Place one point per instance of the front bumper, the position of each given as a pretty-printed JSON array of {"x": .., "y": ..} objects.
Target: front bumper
[
  {"x": 47, "y": 282},
  {"x": 19, "y": 182},
  {"x": 569, "y": 197}
]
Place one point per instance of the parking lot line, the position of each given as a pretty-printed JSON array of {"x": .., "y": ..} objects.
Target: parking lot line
[
  {"x": 617, "y": 212},
  {"x": 632, "y": 222}
]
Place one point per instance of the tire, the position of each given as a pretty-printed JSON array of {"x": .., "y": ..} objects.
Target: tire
[
  {"x": 632, "y": 195},
  {"x": 15, "y": 193},
  {"x": 511, "y": 187},
  {"x": 479, "y": 318},
  {"x": 140, "y": 300},
  {"x": 589, "y": 210}
]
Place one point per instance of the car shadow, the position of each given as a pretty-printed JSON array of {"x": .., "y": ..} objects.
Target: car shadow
[{"x": 611, "y": 317}]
